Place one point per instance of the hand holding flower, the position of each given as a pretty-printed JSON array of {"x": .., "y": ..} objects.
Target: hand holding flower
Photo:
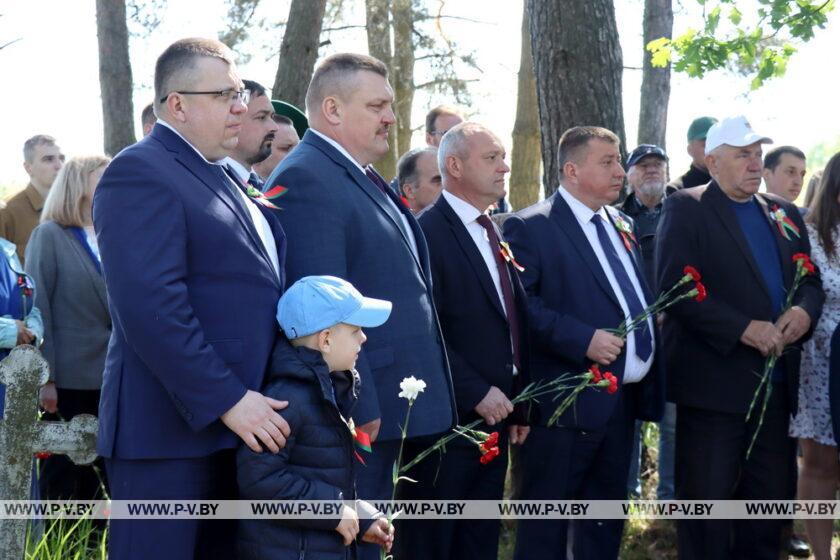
[
  {"x": 518, "y": 434},
  {"x": 604, "y": 348},
  {"x": 494, "y": 407},
  {"x": 793, "y": 324},
  {"x": 380, "y": 532},
  {"x": 764, "y": 337}
]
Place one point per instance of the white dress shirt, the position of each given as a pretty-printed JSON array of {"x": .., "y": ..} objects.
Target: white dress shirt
[
  {"x": 634, "y": 368},
  {"x": 260, "y": 223},
  {"x": 406, "y": 226},
  {"x": 468, "y": 215}
]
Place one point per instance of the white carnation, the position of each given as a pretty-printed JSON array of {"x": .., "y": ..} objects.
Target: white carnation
[{"x": 411, "y": 387}]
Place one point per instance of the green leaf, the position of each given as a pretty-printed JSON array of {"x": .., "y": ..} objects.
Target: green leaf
[
  {"x": 712, "y": 20},
  {"x": 735, "y": 15},
  {"x": 660, "y": 52}
]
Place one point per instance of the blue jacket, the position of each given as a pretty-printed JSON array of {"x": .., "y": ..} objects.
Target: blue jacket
[
  {"x": 342, "y": 225},
  {"x": 569, "y": 297},
  {"x": 192, "y": 297},
  {"x": 317, "y": 463}
]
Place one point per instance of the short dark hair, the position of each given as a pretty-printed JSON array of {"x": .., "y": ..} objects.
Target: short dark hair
[
  {"x": 255, "y": 88},
  {"x": 407, "y": 166},
  {"x": 147, "y": 117},
  {"x": 774, "y": 156},
  {"x": 432, "y": 116},
  {"x": 577, "y": 138},
  {"x": 331, "y": 76},
  {"x": 180, "y": 58}
]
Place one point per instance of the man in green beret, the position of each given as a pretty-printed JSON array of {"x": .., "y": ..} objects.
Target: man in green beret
[{"x": 698, "y": 173}]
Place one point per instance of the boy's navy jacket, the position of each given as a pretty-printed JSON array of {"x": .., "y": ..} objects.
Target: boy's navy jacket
[{"x": 317, "y": 463}]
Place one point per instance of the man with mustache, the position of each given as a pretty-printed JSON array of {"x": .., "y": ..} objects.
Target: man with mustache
[
  {"x": 345, "y": 221},
  {"x": 255, "y": 138},
  {"x": 743, "y": 243}
]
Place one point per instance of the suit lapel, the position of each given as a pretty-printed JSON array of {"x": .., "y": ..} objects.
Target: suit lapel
[
  {"x": 635, "y": 257},
  {"x": 378, "y": 198},
  {"x": 785, "y": 248},
  {"x": 472, "y": 253},
  {"x": 95, "y": 277},
  {"x": 720, "y": 202},
  {"x": 565, "y": 218},
  {"x": 203, "y": 171}
]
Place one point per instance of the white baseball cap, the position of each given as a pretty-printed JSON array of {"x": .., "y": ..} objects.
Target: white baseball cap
[{"x": 733, "y": 131}]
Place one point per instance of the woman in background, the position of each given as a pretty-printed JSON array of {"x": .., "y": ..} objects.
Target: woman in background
[{"x": 63, "y": 258}]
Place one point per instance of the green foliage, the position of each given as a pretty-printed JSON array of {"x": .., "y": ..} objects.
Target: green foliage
[
  {"x": 819, "y": 155},
  {"x": 68, "y": 539},
  {"x": 760, "y": 49}
]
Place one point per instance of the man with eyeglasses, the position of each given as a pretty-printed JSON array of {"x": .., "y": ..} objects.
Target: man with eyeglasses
[
  {"x": 438, "y": 121},
  {"x": 194, "y": 268},
  {"x": 258, "y": 132}
]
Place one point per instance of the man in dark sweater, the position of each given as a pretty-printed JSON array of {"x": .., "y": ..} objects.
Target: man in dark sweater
[{"x": 698, "y": 173}]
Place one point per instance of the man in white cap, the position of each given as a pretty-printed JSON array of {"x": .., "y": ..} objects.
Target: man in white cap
[{"x": 742, "y": 243}]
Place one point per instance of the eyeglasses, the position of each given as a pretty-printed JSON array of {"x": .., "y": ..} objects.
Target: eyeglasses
[
  {"x": 439, "y": 133},
  {"x": 229, "y": 95}
]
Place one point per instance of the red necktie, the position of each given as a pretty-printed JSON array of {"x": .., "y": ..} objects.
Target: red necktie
[{"x": 504, "y": 280}]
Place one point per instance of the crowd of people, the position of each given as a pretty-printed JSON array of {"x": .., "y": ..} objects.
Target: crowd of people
[{"x": 239, "y": 295}]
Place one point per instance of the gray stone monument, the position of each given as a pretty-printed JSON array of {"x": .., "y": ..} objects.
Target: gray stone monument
[{"x": 23, "y": 372}]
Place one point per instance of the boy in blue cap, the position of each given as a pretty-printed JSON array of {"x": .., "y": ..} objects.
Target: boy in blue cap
[{"x": 322, "y": 318}]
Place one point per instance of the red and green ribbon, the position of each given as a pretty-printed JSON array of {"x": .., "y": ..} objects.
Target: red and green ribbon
[{"x": 361, "y": 441}]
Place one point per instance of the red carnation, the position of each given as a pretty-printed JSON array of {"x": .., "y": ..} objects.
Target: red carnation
[
  {"x": 491, "y": 441},
  {"x": 809, "y": 266},
  {"x": 613, "y": 382},
  {"x": 596, "y": 373},
  {"x": 701, "y": 292},
  {"x": 691, "y": 271},
  {"x": 491, "y": 454},
  {"x": 42, "y": 455},
  {"x": 801, "y": 257}
]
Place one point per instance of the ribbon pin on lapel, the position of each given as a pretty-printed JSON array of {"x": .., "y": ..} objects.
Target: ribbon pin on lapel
[
  {"x": 265, "y": 198},
  {"x": 785, "y": 224},
  {"x": 625, "y": 231}
]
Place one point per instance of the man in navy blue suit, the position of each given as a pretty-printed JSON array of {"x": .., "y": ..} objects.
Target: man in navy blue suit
[
  {"x": 344, "y": 221},
  {"x": 194, "y": 269},
  {"x": 583, "y": 276}
]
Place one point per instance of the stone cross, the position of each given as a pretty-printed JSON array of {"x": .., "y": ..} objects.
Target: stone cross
[{"x": 23, "y": 372}]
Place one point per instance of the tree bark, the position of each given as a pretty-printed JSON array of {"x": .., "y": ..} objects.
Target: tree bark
[
  {"x": 578, "y": 66},
  {"x": 298, "y": 51},
  {"x": 402, "y": 70},
  {"x": 115, "y": 82},
  {"x": 378, "y": 22},
  {"x": 656, "y": 82},
  {"x": 525, "y": 152}
]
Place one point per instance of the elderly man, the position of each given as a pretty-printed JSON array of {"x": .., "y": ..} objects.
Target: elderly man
[
  {"x": 784, "y": 172},
  {"x": 483, "y": 314},
  {"x": 715, "y": 349},
  {"x": 345, "y": 221},
  {"x": 42, "y": 160},
  {"x": 583, "y": 278},
  {"x": 194, "y": 269},
  {"x": 647, "y": 172},
  {"x": 255, "y": 138},
  {"x": 418, "y": 177},
  {"x": 698, "y": 173}
]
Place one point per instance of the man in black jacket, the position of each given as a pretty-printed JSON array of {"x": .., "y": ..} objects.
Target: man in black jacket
[
  {"x": 482, "y": 312},
  {"x": 742, "y": 243}
]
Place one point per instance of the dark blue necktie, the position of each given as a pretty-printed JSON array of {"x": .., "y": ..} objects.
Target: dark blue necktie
[
  {"x": 255, "y": 181},
  {"x": 643, "y": 338}
]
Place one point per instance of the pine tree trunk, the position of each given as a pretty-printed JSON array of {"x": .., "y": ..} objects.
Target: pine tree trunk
[
  {"x": 378, "y": 24},
  {"x": 402, "y": 70},
  {"x": 656, "y": 82},
  {"x": 525, "y": 152},
  {"x": 299, "y": 51},
  {"x": 578, "y": 66},
  {"x": 115, "y": 82}
]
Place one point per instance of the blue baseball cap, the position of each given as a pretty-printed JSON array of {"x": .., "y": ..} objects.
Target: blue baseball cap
[{"x": 315, "y": 303}]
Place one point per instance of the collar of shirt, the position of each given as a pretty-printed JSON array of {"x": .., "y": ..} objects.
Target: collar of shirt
[
  {"x": 339, "y": 147},
  {"x": 240, "y": 170},
  {"x": 466, "y": 211},
  {"x": 181, "y": 136},
  {"x": 582, "y": 212}
]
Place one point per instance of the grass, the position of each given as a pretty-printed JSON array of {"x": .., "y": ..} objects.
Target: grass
[{"x": 68, "y": 539}]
